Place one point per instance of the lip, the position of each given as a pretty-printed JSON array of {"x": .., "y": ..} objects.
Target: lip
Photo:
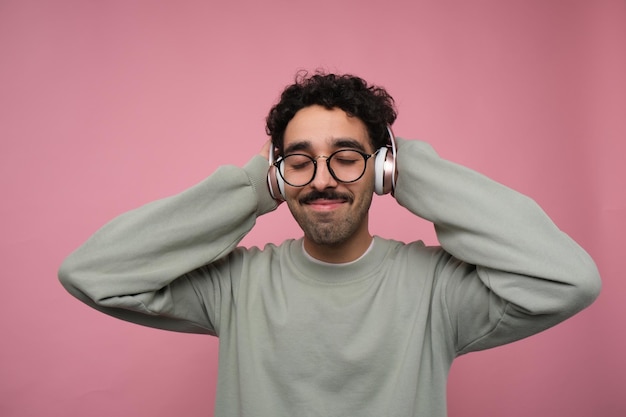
[{"x": 326, "y": 205}]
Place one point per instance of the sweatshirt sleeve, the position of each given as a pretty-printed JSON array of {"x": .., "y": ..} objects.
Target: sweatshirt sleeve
[
  {"x": 512, "y": 272},
  {"x": 138, "y": 266}
]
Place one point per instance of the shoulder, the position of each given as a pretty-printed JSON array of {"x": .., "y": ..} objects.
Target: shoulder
[
  {"x": 411, "y": 250},
  {"x": 260, "y": 254}
]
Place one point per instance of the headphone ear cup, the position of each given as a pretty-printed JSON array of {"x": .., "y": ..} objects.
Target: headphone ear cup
[
  {"x": 275, "y": 182},
  {"x": 281, "y": 185},
  {"x": 384, "y": 170},
  {"x": 379, "y": 171}
]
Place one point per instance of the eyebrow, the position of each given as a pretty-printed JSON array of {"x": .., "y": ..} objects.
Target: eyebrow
[{"x": 339, "y": 143}]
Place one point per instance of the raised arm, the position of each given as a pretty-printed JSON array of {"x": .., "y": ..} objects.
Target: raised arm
[
  {"x": 519, "y": 274},
  {"x": 130, "y": 268}
]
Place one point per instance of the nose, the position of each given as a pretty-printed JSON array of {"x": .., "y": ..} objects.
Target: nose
[{"x": 323, "y": 178}]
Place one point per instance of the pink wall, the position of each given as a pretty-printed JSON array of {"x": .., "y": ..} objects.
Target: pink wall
[{"x": 107, "y": 105}]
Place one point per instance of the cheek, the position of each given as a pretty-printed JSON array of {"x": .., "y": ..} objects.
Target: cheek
[
  {"x": 364, "y": 188},
  {"x": 292, "y": 194},
  {"x": 369, "y": 177}
]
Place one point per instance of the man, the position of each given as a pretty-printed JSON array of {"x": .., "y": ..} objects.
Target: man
[{"x": 337, "y": 323}]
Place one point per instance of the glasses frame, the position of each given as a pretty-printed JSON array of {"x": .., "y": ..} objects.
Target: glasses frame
[{"x": 280, "y": 160}]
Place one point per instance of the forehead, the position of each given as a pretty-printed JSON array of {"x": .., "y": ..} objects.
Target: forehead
[{"x": 318, "y": 129}]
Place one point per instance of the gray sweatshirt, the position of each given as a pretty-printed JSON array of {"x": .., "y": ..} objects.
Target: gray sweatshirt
[{"x": 375, "y": 337}]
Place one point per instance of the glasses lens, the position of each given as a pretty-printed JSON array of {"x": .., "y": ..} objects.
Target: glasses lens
[
  {"x": 347, "y": 166},
  {"x": 297, "y": 170}
]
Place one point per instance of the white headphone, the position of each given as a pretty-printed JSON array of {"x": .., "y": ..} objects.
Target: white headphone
[{"x": 384, "y": 170}]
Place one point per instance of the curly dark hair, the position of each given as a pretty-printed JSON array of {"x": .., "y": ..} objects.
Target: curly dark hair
[{"x": 371, "y": 104}]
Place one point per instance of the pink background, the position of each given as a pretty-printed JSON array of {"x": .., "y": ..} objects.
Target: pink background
[{"x": 106, "y": 105}]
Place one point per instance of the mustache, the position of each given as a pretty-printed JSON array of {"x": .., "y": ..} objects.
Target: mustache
[{"x": 325, "y": 195}]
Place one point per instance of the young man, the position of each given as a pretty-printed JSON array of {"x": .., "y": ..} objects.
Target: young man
[{"x": 337, "y": 323}]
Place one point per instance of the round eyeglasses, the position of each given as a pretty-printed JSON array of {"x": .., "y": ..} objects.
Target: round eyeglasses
[{"x": 345, "y": 166}]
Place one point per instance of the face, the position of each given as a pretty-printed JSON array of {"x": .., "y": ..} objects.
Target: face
[{"x": 329, "y": 212}]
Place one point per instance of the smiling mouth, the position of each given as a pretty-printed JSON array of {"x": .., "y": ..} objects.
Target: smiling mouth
[
  {"x": 326, "y": 205},
  {"x": 325, "y": 201}
]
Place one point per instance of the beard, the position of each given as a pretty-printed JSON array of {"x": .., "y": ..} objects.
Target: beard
[{"x": 335, "y": 227}]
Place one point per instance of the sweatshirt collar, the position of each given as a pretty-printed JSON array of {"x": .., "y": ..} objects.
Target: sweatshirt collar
[{"x": 362, "y": 268}]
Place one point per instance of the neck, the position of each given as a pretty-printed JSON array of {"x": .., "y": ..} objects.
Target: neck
[{"x": 341, "y": 252}]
